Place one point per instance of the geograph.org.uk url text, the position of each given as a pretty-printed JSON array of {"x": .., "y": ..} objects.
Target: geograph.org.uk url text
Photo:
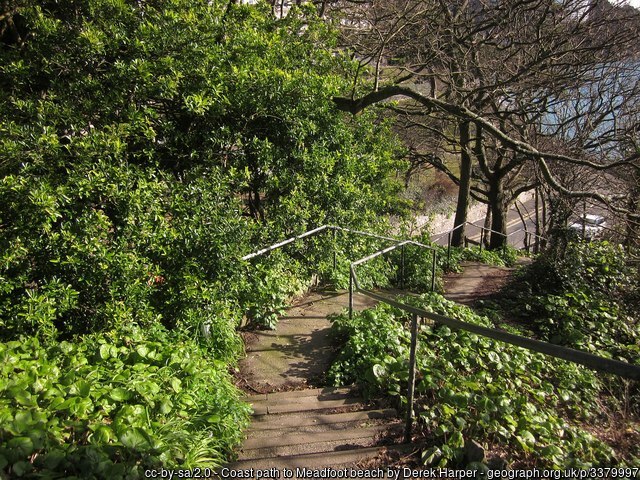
[
  {"x": 573, "y": 473},
  {"x": 403, "y": 473}
]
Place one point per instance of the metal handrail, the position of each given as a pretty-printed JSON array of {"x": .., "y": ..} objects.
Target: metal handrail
[
  {"x": 365, "y": 234},
  {"x": 528, "y": 233},
  {"x": 449, "y": 232},
  {"x": 314, "y": 232},
  {"x": 285, "y": 242},
  {"x": 589, "y": 360},
  {"x": 482, "y": 227}
]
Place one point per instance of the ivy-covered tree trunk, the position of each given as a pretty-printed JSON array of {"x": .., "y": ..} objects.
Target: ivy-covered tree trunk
[{"x": 464, "y": 189}]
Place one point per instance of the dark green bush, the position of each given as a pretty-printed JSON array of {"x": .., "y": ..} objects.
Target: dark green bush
[
  {"x": 145, "y": 147},
  {"x": 581, "y": 300},
  {"x": 501, "y": 258}
]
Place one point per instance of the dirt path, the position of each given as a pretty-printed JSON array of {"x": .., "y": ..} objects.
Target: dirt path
[
  {"x": 476, "y": 281},
  {"x": 298, "y": 352}
]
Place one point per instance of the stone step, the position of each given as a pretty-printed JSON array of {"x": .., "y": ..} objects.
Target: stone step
[
  {"x": 326, "y": 393},
  {"x": 304, "y": 400},
  {"x": 313, "y": 462},
  {"x": 290, "y": 438},
  {"x": 308, "y": 404},
  {"x": 304, "y": 443},
  {"x": 267, "y": 424}
]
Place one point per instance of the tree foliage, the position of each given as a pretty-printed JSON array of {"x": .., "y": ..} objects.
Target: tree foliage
[
  {"x": 491, "y": 84},
  {"x": 145, "y": 147},
  {"x": 134, "y": 137}
]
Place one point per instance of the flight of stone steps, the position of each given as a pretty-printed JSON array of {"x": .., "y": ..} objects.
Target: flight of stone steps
[{"x": 316, "y": 428}]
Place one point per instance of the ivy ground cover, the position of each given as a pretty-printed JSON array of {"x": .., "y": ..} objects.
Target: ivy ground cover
[{"x": 473, "y": 388}]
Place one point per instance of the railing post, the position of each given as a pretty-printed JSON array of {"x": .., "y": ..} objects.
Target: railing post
[
  {"x": 481, "y": 238},
  {"x": 334, "y": 250},
  {"x": 402, "y": 267},
  {"x": 433, "y": 271},
  {"x": 449, "y": 252},
  {"x": 350, "y": 293},
  {"x": 412, "y": 378}
]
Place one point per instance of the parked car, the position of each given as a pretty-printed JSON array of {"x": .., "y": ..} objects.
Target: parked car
[{"x": 588, "y": 226}]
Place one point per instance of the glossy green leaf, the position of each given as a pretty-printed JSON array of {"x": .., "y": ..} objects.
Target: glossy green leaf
[
  {"x": 176, "y": 384},
  {"x": 120, "y": 394},
  {"x": 135, "y": 438},
  {"x": 21, "y": 445}
]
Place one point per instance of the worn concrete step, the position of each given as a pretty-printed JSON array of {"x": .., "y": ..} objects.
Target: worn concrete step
[
  {"x": 266, "y": 424},
  {"x": 326, "y": 393},
  {"x": 316, "y": 461},
  {"x": 297, "y": 444},
  {"x": 275, "y": 403}
]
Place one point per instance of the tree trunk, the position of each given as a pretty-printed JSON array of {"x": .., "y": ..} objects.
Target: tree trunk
[
  {"x": 536, "y": 243},
  {"x": 464, "y": 188},
  {"x": 498, "y": 206},
  {"x": 543, "y": 202},
  {"x": 323, "y": 8}
]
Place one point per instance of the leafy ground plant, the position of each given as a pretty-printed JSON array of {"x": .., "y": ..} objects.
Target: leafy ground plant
[
  {"x": 110, "y": 407},
  {"x": 472, "y": 388}
]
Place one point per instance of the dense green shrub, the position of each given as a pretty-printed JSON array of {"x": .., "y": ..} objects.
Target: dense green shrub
[
  {"x": 145, "y": 147},
  {"x": 138, "y": 140},
  {"x": 273, "y": 282},
  {"x": 471, "y": 387},
  {"x": 600, "y": 267},
  {"x": 112, "y": 246},
  {"x": 504, "y": 257}
]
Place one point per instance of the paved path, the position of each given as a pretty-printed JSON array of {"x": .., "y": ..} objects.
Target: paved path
[
  {"x": 476, "y": 281},
  {"x": 298, "y": 352},
  {"x": 296, "y": 426}
]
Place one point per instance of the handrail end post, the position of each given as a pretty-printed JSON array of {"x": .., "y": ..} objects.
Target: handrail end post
[
  {"x": 351, "y": 293},
  {"x": 402, "y": 267},
  {"x": 433, "y": 270},
  {"x": 412, "y": 378},
  {"x": 335, "y": 258}
]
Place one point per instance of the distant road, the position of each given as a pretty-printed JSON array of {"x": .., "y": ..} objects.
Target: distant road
[{"x": 514, "y": 223}]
